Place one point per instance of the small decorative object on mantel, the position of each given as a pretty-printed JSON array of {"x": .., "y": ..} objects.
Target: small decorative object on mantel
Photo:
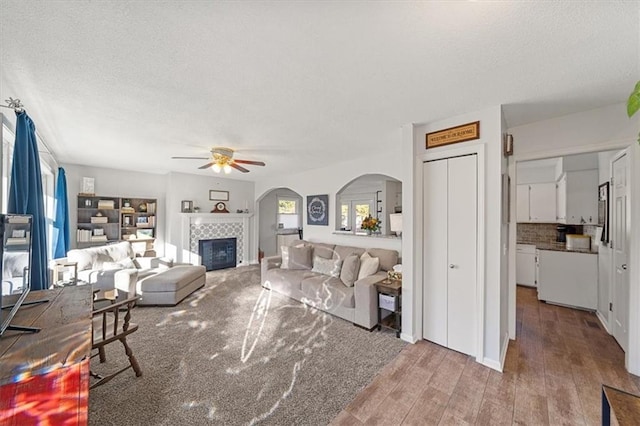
[
  {"x": 220, "y": 207},
  {"x": 186, "y": 206},
  {"x": 463, "y": 133},
  {"x": 88, "y": 186},
  {"x": 317, "y": 210},
  {"x": 196, "y": 209}
]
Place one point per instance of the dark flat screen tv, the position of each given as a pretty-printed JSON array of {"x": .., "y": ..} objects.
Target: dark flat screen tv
[{"x": 15, "y": 264}]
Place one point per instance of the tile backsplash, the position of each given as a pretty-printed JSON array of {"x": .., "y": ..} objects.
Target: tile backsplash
[{"x": 545, "y": 232}]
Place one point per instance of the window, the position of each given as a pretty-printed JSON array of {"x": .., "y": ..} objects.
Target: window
[
  {"x": 287, "y": 206},
  {"x": 288, "y": 213},
  {"x": 353, "y": 212}
]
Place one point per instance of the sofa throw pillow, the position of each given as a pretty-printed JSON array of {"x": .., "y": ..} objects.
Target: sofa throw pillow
[
  {"x": 298, "y": 258},
  {"x": 350, "y": 268},
  {"x": 284, "y": 252},
  {"x": 329, "y": 267},
  {"x": 368, "y": 265}
]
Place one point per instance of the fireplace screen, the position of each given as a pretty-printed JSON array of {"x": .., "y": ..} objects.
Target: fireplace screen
[{"x": 219, "y": 253}]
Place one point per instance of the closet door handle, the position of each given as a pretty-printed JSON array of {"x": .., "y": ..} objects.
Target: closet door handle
[{"x": 452, "y": 266}]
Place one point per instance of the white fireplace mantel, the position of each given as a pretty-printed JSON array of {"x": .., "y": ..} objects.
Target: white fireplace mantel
[{"x": 197, "y": 226}]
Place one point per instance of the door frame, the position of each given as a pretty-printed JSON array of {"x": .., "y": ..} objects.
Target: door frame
[
  {"x": 479, "y": 151},
  {"x": 627, "y": 226},
  {"x": 632, "y": 356}
]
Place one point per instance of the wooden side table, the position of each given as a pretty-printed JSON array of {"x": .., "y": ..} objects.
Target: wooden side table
[
  {"x": 62, "y": 268},
  {"x": 390, "y": 300}
]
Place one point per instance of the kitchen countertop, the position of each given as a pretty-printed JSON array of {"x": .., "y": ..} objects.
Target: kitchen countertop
[{"x": 556, "y": 246}]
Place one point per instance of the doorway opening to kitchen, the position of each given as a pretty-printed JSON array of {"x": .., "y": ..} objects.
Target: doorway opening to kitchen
[{"x": 564, "y": 219}]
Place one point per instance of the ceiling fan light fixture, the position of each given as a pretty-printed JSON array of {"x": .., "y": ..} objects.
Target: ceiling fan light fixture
[
  {"x": 226, "y": 168},
  {"x": 216, "y": 168}
]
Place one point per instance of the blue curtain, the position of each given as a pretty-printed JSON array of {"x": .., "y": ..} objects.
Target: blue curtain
[
  {"x": 26, "y": 196},
  {"x": 61, "y": 219}
]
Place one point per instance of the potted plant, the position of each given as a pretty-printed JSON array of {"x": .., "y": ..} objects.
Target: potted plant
[{"x": 370, "y": 224}]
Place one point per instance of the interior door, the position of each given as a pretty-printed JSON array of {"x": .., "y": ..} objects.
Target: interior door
[
  {"x": 450, "y": 255},
  {"x": 620, "y": 244}
]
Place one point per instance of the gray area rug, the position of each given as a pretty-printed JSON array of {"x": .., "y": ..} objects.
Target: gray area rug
[{"x": 235, "y": 354}]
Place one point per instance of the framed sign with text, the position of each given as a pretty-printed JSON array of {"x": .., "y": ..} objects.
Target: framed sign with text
[
  {"x": 463, "y": 133},
  {"x": 317, "y": 210}
]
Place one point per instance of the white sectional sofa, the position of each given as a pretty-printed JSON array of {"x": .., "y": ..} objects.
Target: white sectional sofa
[
  {"x": 326, "y": 276},
  {"x": 155, "y": 279}
]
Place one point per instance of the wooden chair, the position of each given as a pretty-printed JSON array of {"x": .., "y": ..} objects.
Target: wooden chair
[{"x": 112, "y": 323}]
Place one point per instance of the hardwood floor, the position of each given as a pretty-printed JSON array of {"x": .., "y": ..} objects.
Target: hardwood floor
[{"x": 553, "y": 375}]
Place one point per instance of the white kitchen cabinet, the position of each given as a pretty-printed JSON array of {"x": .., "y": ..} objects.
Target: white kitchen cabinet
[
  {"x": 542, "y": 202},
  {"x": 568, "y": 278},
  {"x": 577, "y": 195},
  {"x": 536, "y": 202},
  {"x": 526, "y": 264}
]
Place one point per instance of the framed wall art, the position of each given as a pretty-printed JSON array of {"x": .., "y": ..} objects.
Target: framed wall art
[
  {"x": 186, "y": 206},
  {"x": 218, "y": 195},
  {"x": 318, "y": 210}
]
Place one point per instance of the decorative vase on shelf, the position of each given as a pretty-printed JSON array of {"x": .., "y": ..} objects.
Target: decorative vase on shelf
[{"x": 368, "y": 231}]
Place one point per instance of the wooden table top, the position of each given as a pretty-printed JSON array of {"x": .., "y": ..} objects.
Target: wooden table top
[
  {"x": 395, "y": 285},
  {"x": 64, "y": 338},
  {"x": 624, "y": 406}
]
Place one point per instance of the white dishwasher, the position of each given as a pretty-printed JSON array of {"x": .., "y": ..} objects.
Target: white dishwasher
[
  {"x": 568, "y": 278},
  {"x": 526, "y": 264}
]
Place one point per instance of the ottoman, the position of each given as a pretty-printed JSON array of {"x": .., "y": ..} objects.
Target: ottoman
[{"x": 170, "y": 286}]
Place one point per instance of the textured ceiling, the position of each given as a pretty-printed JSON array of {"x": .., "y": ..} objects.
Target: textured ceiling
[{"x": 298, "y": 84}]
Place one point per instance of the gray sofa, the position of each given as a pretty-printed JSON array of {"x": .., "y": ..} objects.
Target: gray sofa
[
  {"x": 330, "y": 284},
  {"x": 155, "y": 279}
]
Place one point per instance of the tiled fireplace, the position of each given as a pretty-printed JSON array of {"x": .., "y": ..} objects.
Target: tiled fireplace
[{"x": 197, "y": 227}]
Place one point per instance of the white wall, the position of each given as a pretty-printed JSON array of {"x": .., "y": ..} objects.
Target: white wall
[
  {"x": 329, "y": 180},
  {"x": 182, "y": 186},
  {"x": 590, "y": 131},
  {"x": 491, "y": 125},
  {"x": 117, "y": 183},
  {"x": 169, "y": 189}
]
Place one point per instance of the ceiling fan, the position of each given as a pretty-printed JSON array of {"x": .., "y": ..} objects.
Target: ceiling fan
[{"x": 221, "y": 159}]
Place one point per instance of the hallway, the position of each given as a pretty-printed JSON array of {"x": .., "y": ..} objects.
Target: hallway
[{"x": 553, "y": 375}]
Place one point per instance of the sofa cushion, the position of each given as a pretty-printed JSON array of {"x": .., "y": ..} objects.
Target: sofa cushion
[
  {"x": 329, "y": 267},
  {"x": 323, "y": 250},
  {"x": 170, "y": 280},
  {"x": 349, "y": 271},
  {"x": 327, "y": 292},
  {"x": 94, "y": 257},
  {"x": 341, "y": 252},
  {"x": 123, "y": 264},
  {"x": 297, "y": 257},
  {"x": 368, "y": 265},
  {"x": 388, "y": 258},
  {"x": 292, "y": 278}
]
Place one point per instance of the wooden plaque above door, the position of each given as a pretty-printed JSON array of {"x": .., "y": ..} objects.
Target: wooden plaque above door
[{"x": 462, "y": 133}]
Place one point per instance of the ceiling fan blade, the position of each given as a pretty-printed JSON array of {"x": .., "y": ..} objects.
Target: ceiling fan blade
[
  {"x": 190, "y": 158},
  {"x": 255, "y": 163},
  {"x": 242, "y": 169},
  {"x": 206, "y": 166}
]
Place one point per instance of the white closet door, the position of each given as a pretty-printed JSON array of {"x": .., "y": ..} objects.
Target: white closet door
[
  {"x": 450, "y": 233},
  {"x": 434, "y": 316},
  {"x": 462, "y": 254}
]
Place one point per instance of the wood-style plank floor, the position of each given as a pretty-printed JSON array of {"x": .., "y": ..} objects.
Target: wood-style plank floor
[{"x": 552, "y": 376}]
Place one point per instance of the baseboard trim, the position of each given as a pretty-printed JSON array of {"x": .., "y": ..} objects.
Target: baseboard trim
[
  {"x": 408, "y": 338},
  {"x": 603, "y": 322}
]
